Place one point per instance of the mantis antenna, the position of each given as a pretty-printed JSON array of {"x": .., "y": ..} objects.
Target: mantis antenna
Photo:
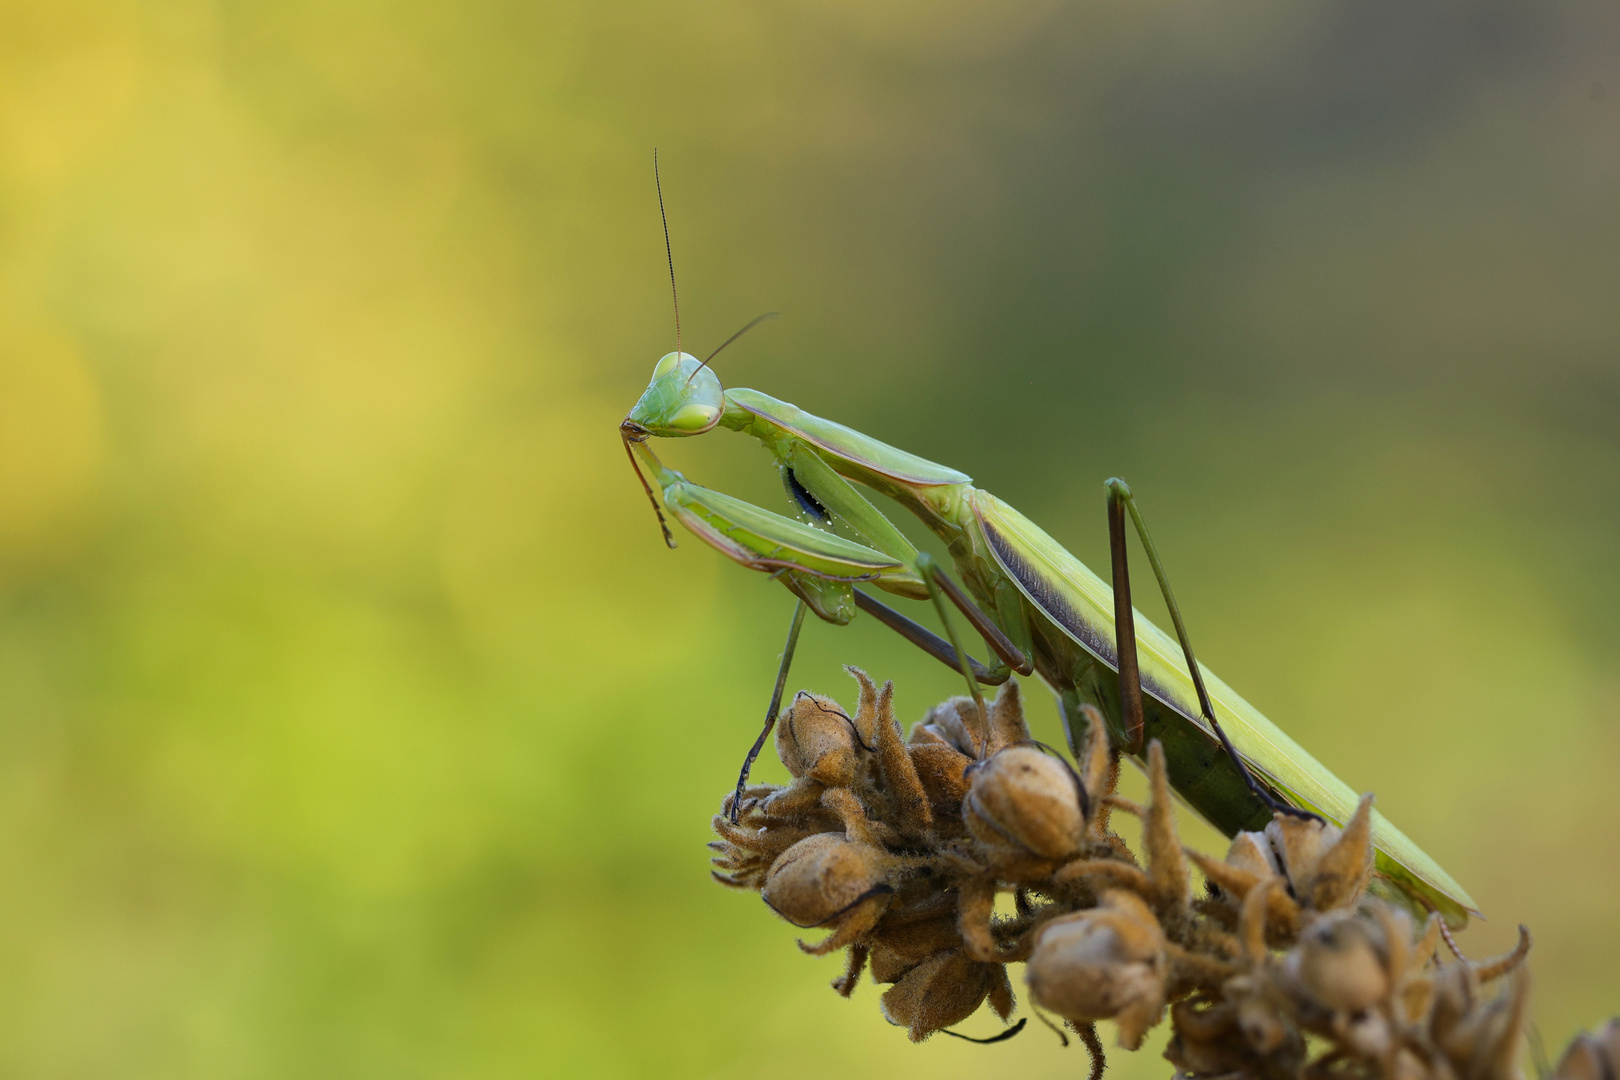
[
  {"x": 674, "y": 294},
  {"x": 669, "y": 254},
  {"x": 729, "y": 340}
]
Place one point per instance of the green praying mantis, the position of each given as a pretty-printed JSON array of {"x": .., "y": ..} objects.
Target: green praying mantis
[{"x": 1037, "y": 607}]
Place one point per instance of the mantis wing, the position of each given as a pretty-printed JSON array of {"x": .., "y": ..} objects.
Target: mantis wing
[{"x": 1081, "y": 604}]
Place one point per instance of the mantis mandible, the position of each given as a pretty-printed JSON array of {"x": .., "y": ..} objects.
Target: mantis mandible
[{"x": 1037, "y": 607}]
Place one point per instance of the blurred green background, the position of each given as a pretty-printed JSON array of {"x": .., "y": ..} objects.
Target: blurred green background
[{"x": 354, "y": 721}]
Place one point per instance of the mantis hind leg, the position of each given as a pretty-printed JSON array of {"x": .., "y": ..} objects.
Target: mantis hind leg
[
  {"x": 942, "y": 588},
  {"x": 1130, "y": 678}
]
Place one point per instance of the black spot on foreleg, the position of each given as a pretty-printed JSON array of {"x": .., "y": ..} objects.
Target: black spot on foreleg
[{"x": 801, "y": 495}]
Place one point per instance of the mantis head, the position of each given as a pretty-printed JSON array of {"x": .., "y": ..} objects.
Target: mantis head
[{"x": 684, "y": 398}]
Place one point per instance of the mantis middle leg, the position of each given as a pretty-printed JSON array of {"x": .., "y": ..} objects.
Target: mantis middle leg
[
  {"x": 1130, "y": 680},
  {"x": 950, "y": 653}
]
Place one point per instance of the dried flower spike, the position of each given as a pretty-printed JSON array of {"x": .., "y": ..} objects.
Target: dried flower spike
[{"x": 900, "y": 849}]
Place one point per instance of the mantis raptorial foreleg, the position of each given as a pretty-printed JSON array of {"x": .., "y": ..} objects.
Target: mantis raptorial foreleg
[
  {"x": 1130, "y": 679},
  {"x": 828, "y": 498}
]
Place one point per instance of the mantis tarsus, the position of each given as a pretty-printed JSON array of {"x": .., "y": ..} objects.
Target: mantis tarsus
[{"x": 1036, "y": 606}]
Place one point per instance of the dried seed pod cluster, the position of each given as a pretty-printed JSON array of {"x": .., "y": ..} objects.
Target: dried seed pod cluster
[{"x": 1281, "y": 965}]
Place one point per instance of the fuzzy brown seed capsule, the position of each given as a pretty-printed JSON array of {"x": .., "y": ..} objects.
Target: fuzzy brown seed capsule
[
  {"x": 950, "y": 722},
  {"x": 1325, "y": 867},
  {"x": 1592, "y": 1055},
  {"x": 1330, "y": 867},
  {"x": 943, "y": 990},
  {"x": 822, "y": 877},
  {"x": 1251, "y": 853},
  {"x": 1024, "y": 802},
  {"x": 1337, "y": 964},
  {"x": 901, "y": 948},
  {"x": 1105, "y": 963},
  {"x": 814, "y": 737},
  {"x": 942, "y": 770},
  {"x": 1480, "y": 1034}
]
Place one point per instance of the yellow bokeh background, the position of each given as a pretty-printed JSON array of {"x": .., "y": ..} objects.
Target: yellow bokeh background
[{"x": 355, "y": 722}]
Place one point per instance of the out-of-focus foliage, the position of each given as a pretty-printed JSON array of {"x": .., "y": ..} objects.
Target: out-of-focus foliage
[{"x": 355, "y": 722}]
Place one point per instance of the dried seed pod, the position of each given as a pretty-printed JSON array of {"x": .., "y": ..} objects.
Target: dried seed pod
[
  {"x": 952, "y": 723},
  {"x": 1339, "y": 965},
  {"x": 815, "y": 737},
  {"x": 1592, "y": 1055},
  {"x": 1478, "y": 1035},
  {"x": 1245, "y": 1031},
  {"x": 942, "y": 770},
  {"x": 898, "y": 949},
  {"x": 829, "y": 880},
  {"x": 1368, "y": 1035},
  {"x": 1207, "y": 1040},
  {"x": 1251, "y": 853},
  {"x": 946, "y": 989},
  {"x": 1328, "y": 866},
  {"x": 1325, "y": 868},
  {"x": 1105, "y": 963},
  {"x": 817, "y": 742},
  {"x": 1023, "y": 803}
]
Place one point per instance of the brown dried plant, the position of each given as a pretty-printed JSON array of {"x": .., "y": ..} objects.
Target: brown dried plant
[{"x": 1281, "y": 966}]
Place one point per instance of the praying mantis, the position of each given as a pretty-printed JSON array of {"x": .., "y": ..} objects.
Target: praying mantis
[{"x": 1037, "y": 607}]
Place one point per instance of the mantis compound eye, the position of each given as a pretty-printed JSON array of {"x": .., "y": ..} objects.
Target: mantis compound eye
[
  {"x": 697, "y": 416},
  {"x": 669, "y": 362}
]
